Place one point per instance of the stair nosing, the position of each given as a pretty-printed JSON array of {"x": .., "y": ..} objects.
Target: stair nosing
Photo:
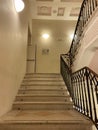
[
  {"x": 43, "y": 95},
  {"x": 42, "y": 73},
  {"x": 42, "y": 77},
  {"x": 54, "y": 103},
  {"x": 43, "y": 80},
  {"x": 43, "y": 85},
  {"x": 79, "y": 121},
  {"x": 28, "y": 89}
]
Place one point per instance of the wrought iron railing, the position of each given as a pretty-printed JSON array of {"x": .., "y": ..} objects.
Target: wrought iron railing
[
  {"x": 66, "y": 74},
  {"x": 83, "y": 88},
  {"x": 86, "y": 11},
  {"x": 85, "y": 92},
  {"x": 83, "y": 84}
]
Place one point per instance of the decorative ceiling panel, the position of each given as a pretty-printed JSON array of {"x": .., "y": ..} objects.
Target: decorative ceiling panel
[
  {"x": 75, "y": 11},
  {"x": 44, "y": 10},
  {"x": 61, "y": 11},
  {"x": 55, "y": 9}
]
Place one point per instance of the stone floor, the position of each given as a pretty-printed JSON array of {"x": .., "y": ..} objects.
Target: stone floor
[{"x": 44, "y": 116}]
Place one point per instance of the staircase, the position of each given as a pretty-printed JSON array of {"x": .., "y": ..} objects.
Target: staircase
[
  {"x": 43, "y": 102},
  {"x": 42, "y": 92}
]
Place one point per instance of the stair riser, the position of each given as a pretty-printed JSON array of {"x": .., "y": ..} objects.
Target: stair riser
[
  {"x": 43, "y": 87},
  {"x": 43, "y": 92},
  {"x": 42, "y": 79},
  {"x": 43, "y": 83},
  {"x": 43, "y": 75},
  {"x": 42, "y": 99},
  {"x": 46, "y": 126},
  {"x": 42, "y": 107}
]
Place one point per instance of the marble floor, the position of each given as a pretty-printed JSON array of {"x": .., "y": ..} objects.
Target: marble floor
[{"x": 44, "y": 116}]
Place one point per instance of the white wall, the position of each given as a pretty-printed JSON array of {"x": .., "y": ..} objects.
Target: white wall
[
  {"x": 13, "y": 47},
  {"x": 58, "y": 43},
  {"x": 87, "y": 55},
  {"x": 94, "y": 62}
]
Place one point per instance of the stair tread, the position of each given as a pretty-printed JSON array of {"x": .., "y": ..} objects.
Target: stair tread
[
  {"x": 43, "y": 85},
  {"x": 24, "y": 102},
  {"x": 39, "y": 80},
  {"x": 46, "y": 83},
  {"x": 29, "y": 89},
  {"x": 43, "y": 74},
  {"x": 25, "y": 117},
  {"x": 39, "y": 77},
  {"x": 43, "y": 95},
  {"x": 43, "y": 78}
]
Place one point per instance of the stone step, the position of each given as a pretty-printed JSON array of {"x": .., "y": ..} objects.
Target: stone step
[
  {"x": 42, "y": 75},
  {"x": 42, "y": 105},
  {"x": 36, "y": 88},
  {"x": 43, "y": 78},
  {"x": 43, "y": 91},
  {"x": 43, "y": 86},
  {"x": 41, "y": 98},
  {"x": 45, "y": 120},
  {"x": 45, "y": 125},
  {"x": 43, "y": 83},
  {"x": 46, "y": 94}
]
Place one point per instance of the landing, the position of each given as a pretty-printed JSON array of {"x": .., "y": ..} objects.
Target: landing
[{"x": 29, "y": 116}]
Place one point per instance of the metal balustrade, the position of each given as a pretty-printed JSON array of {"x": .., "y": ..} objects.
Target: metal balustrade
[
  {"x": 66, "y": 73},
  {"x": 85, "y": 92},
  {"x": 86, "y": 11},
  {"x": 83, "y": 88},
  {"x": 83, "y": 84}
]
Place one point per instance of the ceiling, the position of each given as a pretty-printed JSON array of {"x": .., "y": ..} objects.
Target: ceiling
[
  {"x": 55, "y": 9},
  {"x": 57, "y": 18},
  {"x": 58, "y": 30}
]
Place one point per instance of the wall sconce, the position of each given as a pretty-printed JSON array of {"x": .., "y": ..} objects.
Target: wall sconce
[
  {"x": 45, "y": 36},
  {"x": 19, "y": 5},
  {"x": 71, "y": 36}
]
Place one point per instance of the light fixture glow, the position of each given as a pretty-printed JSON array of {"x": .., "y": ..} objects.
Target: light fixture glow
[
  {"x": 45, "y": 36},
  {"x": 71, "y": 36},
  {"x": 19, "y": 5}
]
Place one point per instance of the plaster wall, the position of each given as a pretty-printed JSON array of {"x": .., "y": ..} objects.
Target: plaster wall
[
  {"x": 48, "y": 51},
  {"x": 13, "y": 49},
  {"x": 88, "y": 51}
]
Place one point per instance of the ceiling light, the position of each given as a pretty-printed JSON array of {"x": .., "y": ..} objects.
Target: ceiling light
[
  {"x": 19, "y": 5},
  {"x": 45, "y": 36}
]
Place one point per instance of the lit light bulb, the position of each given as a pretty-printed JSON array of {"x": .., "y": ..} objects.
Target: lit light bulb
[
  {"x": 45, "y": 36},
  {"x": 19, "y": 5},
  {"x": 71, "y": 36}
]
